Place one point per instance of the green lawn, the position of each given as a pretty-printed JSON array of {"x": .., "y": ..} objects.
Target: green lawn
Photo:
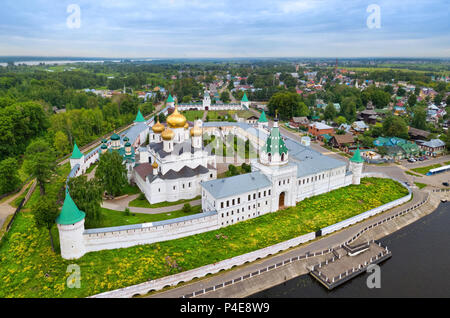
[
  {"x": 143, "y": 203},
  {"x": 413, "y": 174},
  {"x": 28, "y": 267},
  {"x": 117, "y": 218},
  {"x": 424, "y": 170},
  {"x": 192, "y": 115},
  {"x": 420, "y": 185}
]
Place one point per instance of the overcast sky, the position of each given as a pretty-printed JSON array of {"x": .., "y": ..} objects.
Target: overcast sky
[{"x": 219, "y": 28}]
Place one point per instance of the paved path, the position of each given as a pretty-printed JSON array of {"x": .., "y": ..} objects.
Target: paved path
[
  {"x": 122, "y": 204},
  {"x": 6, "y": 209}
]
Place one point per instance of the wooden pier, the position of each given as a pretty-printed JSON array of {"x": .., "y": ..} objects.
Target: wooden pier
[{"x": 348, "y": 262}]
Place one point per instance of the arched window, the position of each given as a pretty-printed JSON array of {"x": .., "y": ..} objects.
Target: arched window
[
  {"x": 269, "y": 155},
  {"x": 282, "y": 156}
]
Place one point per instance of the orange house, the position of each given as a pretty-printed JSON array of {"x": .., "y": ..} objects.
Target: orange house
[{"x": 317, "y": 129}]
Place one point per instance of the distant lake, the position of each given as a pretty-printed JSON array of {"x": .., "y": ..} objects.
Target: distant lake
[
  {"x": 419, "y": 266},
  {"x": 31, "y": 63}
]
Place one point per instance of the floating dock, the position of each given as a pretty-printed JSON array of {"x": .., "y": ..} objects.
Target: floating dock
[{"x": 348, "y": 262}]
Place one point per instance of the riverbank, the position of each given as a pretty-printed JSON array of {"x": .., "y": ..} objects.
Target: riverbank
[
  {"x": 418, "y": 267},
  {"x": 260, "y": 278}
]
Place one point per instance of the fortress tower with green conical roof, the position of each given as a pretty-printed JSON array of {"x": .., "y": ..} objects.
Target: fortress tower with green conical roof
[
  {"x": 77, "y": 157},
  {"x": 356, "y": 166},
  {"x": 70, "y": 224},
  {"x": 262, "y": 121},
  {"x": 244, "y": 101},
  {"x": 139, "y": 118}
]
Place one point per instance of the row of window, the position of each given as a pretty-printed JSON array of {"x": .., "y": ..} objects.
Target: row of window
[
  {"x": 233, "y": 202},
  {"x": 241, "y": 218},
  {"x": 225, "y": 214},
  {"x": 284, "y": 181},
  {"x": 317, "y": 178}
]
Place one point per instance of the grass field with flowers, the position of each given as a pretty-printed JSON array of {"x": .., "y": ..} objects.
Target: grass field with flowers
[{"x": 29, "y": 268}]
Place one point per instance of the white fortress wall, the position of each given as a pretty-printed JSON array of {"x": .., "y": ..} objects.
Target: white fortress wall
[
  {"x": 186, "y": 276},
  {"x": 147, "y": 233}
]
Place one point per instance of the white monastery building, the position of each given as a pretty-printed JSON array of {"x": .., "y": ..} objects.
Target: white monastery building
[{"x": 175, "y": 165}]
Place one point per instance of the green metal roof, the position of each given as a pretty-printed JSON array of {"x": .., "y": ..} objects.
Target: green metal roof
[
  {"x": 275, "y": 143},
  {"x": 357, "y": 157},
  {"x": 139, "y": 118},
  {"x": 262, "y": 118},
  {"x": 115, "y": 137},
  {"x": 76, "y": 153},
  {"x": 70, "y": 213},
  {"x": 170, "y": 99},
  {"x": 244, "y": 98}
]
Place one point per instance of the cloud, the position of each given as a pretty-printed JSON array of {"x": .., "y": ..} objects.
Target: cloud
[{"x": 182, "y": 28}]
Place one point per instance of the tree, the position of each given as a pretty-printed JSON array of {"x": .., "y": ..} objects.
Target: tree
[
  {"x": 61, "y": 143},
  {"x": 438, "y": 99},
  {"x": 87, "y": 195},
  {"x": 412, "y": 100},
  {"x": 341, "y": 120},
  {"x": 111, "y": 173},
  {"x": 9, "y": 176},
  {"x": 287, "y": 104},
  {"x": 401, "y": 91},
  {"x": 419, "y": 119},
  {"x": 348, "y": 108},
  {"x": 162, "y": 117},
  {"x": 302, "y": 110},
  {"x": 40, "y": 162},
  {"x": 394, "y": 126},
  {"x": 186, "y": 208},
  {"x": 225, "y": 97},
  {"x": 45, "y": 212},
  {"x": 330, "y": 112},
  {"x": 187, "y": 99}
]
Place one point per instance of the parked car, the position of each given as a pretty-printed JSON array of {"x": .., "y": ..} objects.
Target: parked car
[
  {"x": 445, "y": 184},
  {"x": 411, "y": 160}
]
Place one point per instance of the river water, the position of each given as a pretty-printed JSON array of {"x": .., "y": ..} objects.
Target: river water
[{"x": 419, "y": 266}]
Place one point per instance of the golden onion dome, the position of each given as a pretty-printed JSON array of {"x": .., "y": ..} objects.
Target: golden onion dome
[
  {"x": 196, "y": 131},
  {"x": 176, "y": 120},
  {"x": 158, "y": 127},
  {"x": 154, "y": 165},
  {"x": 167, "y": 134},
  {"x": 186, "y": 126}
]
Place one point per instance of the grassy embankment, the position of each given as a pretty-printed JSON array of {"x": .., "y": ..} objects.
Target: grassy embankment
[{"x": 28, "y": 267}]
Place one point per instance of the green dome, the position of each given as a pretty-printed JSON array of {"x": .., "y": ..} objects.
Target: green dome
[
  {"x": 104, "y": 146},
  {"x": 115, "y": 137},
  {"x": 126, "y": 138},
  {"x": 244, "y": 98},
  {"x": 127, "y": 144},
  {"x": 70, "y": 214},
  {"x": 170, "y": 99}
]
